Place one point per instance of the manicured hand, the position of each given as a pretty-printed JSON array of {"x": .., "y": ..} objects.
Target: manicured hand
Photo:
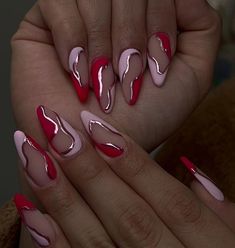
[
  {"x": 105, "y": 191},
  {"x": 58, "y": 38}
]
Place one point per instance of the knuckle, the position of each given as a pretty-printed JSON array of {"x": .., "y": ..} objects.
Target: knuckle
[
  {"x": 182, "y": 208},
  {"x": 94, "y": 239},
  {"x": 137, "y": 165},
  {"x": 97, "y": 33},
  {"x": 87, "y": 173},
  {"x": 61, "y": 203},
  {"x": 137, "y": 225},
  {"x": 216, "y": 21}
]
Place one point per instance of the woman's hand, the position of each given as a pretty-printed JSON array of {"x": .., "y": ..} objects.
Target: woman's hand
[
  {"x": 52, "y": 28},
  {"x": 118, "y": 196}
]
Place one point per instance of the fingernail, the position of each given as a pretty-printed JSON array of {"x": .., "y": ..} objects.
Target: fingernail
[
  {"x": 159, "y": 56},
  {"x": 208, "y": 184},
  {"x": 105, "y": 137},
  {"x": 62, "y": 137},
  {"x": 35, "y": 222},
  {"x": 130, "y": 73},
  {"x": 79, "y": 72},
  {"x": 103, "y": 83},
  {"x": 38, "y": 166}
]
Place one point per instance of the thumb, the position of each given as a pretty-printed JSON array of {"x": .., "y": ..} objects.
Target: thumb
[{"x": 199, "y": 37}]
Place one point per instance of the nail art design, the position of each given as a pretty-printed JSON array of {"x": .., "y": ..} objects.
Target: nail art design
[
  {"x": 208, "y": 184},
  {"x": 79, "y": 72},
  {"x": 106, "y": 138},
  {"x": 131, "y": 74},
  {"x": 61, "y": 136},
  {"x": 38, "y": 166},
  {"x": 35, "y": 222},
  {"x": 103, "y": 83},
  {"x": 159, "y": 56}
]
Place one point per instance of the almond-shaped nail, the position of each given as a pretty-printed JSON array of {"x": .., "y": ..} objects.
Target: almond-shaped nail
[
  {"x": 103, "y": 80},
  {"x": 35, "y": 222},
  {"x": 62, "y": 137},
  {"x": 208, "y": 184},
  {"x": 79, "y": 72},
  {"x": 131, "y": 74},
  {"x": 105, "y": 137},
  {"x": 159, "y": 56},
  {"x": 37, "y": 165}
]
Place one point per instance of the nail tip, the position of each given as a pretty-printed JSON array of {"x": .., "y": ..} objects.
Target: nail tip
[{"x": 22, "y": 202}]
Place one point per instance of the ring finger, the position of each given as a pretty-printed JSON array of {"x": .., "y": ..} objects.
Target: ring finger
[
  {"x": 97, "y": 19},
  {"x": 129, "y": 45}
]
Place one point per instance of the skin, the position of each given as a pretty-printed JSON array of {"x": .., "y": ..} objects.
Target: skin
[
  {"x": 38, "y": 78},
  {"x": 142, "y": 207}
]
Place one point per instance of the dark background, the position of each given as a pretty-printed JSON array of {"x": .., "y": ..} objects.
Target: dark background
[{"x": 11, "y": 12}]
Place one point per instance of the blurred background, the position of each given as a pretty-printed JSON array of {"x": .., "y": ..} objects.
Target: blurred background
[{"x": 11, "y": 14}]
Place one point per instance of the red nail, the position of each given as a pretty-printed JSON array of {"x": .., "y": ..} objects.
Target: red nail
[{"x": 103, "y": 83}]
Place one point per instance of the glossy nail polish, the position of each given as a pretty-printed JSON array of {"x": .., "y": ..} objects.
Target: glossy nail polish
[
  {"x": 79, "y": 72},
  {"x": 208, "y": 184},
  {"x": 131, "y": 74},
  {"x": 103, "y": 83},
  {"x": 37, "y": 165},
  {"x": 105, "y": 137},
  {"x": 61, "y": 136},
  {"x": 159, "y": 56},
  {"x": 35, "y": 222}
]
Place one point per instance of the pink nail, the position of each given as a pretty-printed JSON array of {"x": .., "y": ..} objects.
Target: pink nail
[
  {"x": 35, "y": 222},
  {"x": 103, "y": 83},
  {"x": 61, "y": 136},
  {"x": 37, "y": 165},
  {"x": 159, "y": 56},
  {"x": 131, "y": 74},
  {"x": 208, "y": 184},
  {"x": 79, "y": 72},
  {"x": 105, "y": 137}
]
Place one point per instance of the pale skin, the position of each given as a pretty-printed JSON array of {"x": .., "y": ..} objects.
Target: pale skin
[{"x": 38, "y": 78}]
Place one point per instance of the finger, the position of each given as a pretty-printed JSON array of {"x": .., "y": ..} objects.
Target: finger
[
  {"x": 225, "y": 210},
  {"x": 97, "y": 18},
  {"x": 172, "y": 201},
  {"x": 210, "y": 194},
  {"x": 58, "y": 196},
  {"x": 69, "y": 35},
  {"x": 162, "y": 37},
  {"x": 43, "y": 230},
  {"x": 128, "y": 219},
  {"x": 129, "y": 42},
  {"x": 200, "y": 26}
]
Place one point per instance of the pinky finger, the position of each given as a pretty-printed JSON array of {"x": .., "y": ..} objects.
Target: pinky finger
[
  {"x": 225, "y": 210},
  {"x": 41, "y": 227}
]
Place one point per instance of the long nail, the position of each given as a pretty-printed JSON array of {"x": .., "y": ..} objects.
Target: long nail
[
  {"x": 37, "y": 164},
  {"x": 103, "y": 83},
  {"x": 61, "y": 136},
  {"x": 159, "y": 56},
  {"x": 79, "y": 72},
  {"x": 35, "y": 222},
  {"x": 105, "y": 137},
  {"x": 208, "y": 184},
  {"x": 131, "y": 74}
]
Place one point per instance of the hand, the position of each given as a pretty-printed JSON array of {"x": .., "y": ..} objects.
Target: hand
[
  {"x": 38, "y": 78},
  {"x": 118, "y": 197}
]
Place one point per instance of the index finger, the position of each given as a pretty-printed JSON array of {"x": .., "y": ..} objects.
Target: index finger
[{"x": 176, "y": 205}]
